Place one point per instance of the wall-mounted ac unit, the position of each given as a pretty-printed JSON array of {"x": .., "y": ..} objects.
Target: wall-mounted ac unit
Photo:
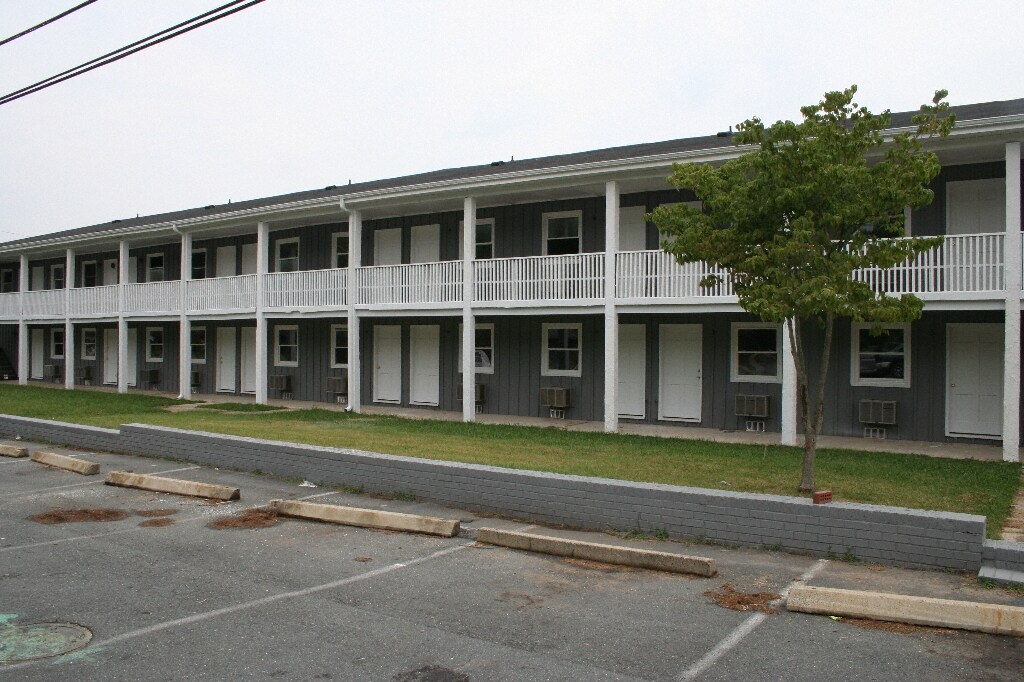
[
  {"x": 195, "y": 380},
  {"x": 151, "y": 377},
  {"x": 479, "y": 393},
  {"x": 877, "y": 412},
  {"x": 756, "y": 406},
  {"x": 280, "y": 382},
  {"x": 557, "y": 398}
]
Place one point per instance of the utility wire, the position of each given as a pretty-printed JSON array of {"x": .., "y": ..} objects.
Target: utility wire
[
  {"x": 48, "y": 21},
  {"x": 137, "y": 46}
]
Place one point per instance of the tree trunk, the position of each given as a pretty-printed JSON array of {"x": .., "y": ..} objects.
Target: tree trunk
[{"x": 813, "y": 421}]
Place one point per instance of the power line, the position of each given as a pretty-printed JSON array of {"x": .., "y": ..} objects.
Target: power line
[
  {"x": 137, "y": 46},
  {"x": 48, "y": 21}
]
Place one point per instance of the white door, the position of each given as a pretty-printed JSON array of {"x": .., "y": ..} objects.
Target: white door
[
  {"x": 37, "y": 354},
  {"x": 226, "y": 359},
  {"x": 976, "y": 206},
  {"x": 679, "y": 386},
  {"x": 133, "y": 357},
  {"x": 249, "y": 372},
  {"x": 424, "y": 364},
  {"x": 387, "y": 363},
  {"x": 36, "y": 283},
  {"x": 226, "y": 264},
  {"x": 110, "y": 274},
  {"x": 387, "y": 246},
  {"x": 632, "y": 229},
  {"x": 974, "y": 380},
  {"x": 632, "y": 370},
  {"x": 248, "y": 259},
  {"x": 425, "y": 246},
  {"x": 110, "y": 356}
]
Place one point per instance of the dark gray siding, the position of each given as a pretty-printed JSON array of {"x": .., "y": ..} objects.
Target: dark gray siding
[
  {"x": 309, "y": 378},
  {"x": 167, "y": 370},
  {"x": 314, "y": 245},
  {"x": 9, "y": 343},
  {"x": 46, "y": 264},
  {"x": 172, "y": 260},
  {"x": 211, "y": 246},
  {"x": 90, "y": 372},
  {"x": 650, "y": 201},
  {"x": 931, "y": 219},
  {"x": 207, "y": 371},
  {"x": 99, "y": 259}
]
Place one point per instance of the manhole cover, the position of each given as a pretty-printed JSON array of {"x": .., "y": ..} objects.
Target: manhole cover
[{"x": 40, "y": 640}]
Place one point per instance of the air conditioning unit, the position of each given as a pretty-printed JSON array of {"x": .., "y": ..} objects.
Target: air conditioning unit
[
  {"x": 151, "y": 377},
  {"x": 84, "y": 375},
  {"x": 479, "y": 393},
  {"x": 195, "y": 380},
  {"x": 879, "y": 412},
  {"x": 755, "y": 406},
  {"x": 337, "y": 387},
  {"x": 554, "y": 397}
]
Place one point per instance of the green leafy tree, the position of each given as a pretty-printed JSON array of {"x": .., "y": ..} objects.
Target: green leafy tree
[{"x": 796, "y": 217}]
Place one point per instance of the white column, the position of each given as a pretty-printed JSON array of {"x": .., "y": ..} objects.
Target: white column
[
  {"x": 122, "y": 322},
  {"x": 1011, "y": 343},
  {"x": 69, "y": 329},
  {"x": 262, "y": 246},
  {"x": 788, "y": 408},
  {"x": 355, "y": 259},
  {"x": 23, "y": 341},
  {"x": 611, "y": 316},
  {"x": 184, "y": 324},
  {"x": 468, "y": 319}
]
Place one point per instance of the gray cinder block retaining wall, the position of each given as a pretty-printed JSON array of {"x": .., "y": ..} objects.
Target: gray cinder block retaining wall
[{"x": 891, "y": 535}]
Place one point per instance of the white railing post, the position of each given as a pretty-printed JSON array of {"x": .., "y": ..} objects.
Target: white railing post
[
  {"x": 184, "y": 324},
  {"x": 611, "y": 317},
  {"x": 262, "y": 254},
  {"x": 355, "y": 257},
  {"x": 468, "y": 319},
  {"x": 23, "y": 341},
  {"x": 788, "y": 410},
  {"x": 122, "y": 321},
  {"x": 69, "y": 328},
  {"x": 1012, "y": 282}
]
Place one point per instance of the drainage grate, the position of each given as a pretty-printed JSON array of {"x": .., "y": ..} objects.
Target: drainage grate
[{"x": 40, "y": 640}]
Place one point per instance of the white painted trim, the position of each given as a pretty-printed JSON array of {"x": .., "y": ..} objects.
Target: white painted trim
[
  {"x": 54, "y": 269},
  {"x": 734, "y": 374},
  {"x": 489, "y": 326},
  {"x": 467, "y": 331},
  {"x": 333, "y": 346},
  {"x": 355, "y": 242},
  {"x": 53, "y": 343},
  {"x": 150, "y": 257},
  {"x": 95, "y": 343},
  {"x": 149, "y": 347},
  {"x": 278, "y": 328},
  {"x": 206, "y": 346},
  {"x": 612, "y": 216},
  {"x": 96, "y": 271},
  {"x": 855, "y": 378},
  {"x": 277, "y": 253},
  {"x": 788, "y": 409},
  {"x": 334, "y": 248},
  {"x": 546, "y": 217},
  {"x": 547, "y": 372},
  {"x": 262, "y": 256},
  {"x": 1013, "y": 282},
  {"x": 476, "y": 244}
]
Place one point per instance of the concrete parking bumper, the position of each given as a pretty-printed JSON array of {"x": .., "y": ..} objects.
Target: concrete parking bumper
[
  {"x": 78, "y": 466},
  {"x": 592, "y": 551},
  {"x": 172, "y": 485},
  {"x": 13, "y": 451},
  {"x": 366, "y": 518}
]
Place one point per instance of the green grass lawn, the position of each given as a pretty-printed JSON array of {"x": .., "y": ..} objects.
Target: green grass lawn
[{"x": 986, "y": 488}]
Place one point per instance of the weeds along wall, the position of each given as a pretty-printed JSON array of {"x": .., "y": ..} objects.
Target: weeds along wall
[{"x": 891, "y": 535}]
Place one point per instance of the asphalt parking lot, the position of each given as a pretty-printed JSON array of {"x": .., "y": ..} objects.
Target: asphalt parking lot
[{"x": 176, "y": 599}]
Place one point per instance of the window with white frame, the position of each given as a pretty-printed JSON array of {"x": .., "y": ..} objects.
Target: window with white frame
[
  {"x": 57, "y": 344},
  {"x": 339, "y": 247},
  {"x": 286, "y": 345},
  {"x": 881, "y": 355},
  {"x": 755, "y": 352},
  {"x": 88, "y": 344},
  {"x": 155, "y": 267},
  {"x": 484, "y": 239},
  {"x": 287, "y": 255},
  {"x": 483, "y": 349},
  {"x": 339, "y": 345},
  {"x": 154, "y": 344},
  {"x": 90, "y": 274},
  {"x": 562, "y": 350},
  {"x": 197, "y": 340},
  {"x": 199, "y": 264},
  {"x": 563, "y": 233},
  {"x": 57, "y": 276}
]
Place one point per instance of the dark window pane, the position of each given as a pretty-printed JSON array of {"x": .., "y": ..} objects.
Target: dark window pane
[
  {"x": 757, "y": 364},
  {"x": 756, "y": 339}
]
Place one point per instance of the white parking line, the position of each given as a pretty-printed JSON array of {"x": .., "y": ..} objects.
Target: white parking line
[
  {"x": 195, "y": 618},
  {"x": 19, "y": 460},
  {"x": 744, "y": 628},
  {"x": 32, "y": 493}
]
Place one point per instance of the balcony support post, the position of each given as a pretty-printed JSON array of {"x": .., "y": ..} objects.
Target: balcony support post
[
  {"x": 23, "y": 342},
  {"x": 468, "y": 319},
  {"x": 611, "y": 316},
  {"x": 262, "y": 253},
  {"x": 788, "y": 409},
  {"x": 122, "y": 321},
  {"x": 1011, "y": 342},
  {"x": 69, "y": 328},
  {"x": 184, "y": 324},
  {"x": 355, "y": 258}
]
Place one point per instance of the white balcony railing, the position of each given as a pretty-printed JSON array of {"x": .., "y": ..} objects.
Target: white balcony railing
[
  {"x": 10, "y": 306},
  {"x": 322, "y": 289},
  {"x": 963, "y": 263},
  {"x": 539, "y": 280},
  {"x": 421, "y": 283},
  {"x": 93, "y": 301},
  {"x": 49, "y": 303},
  {"x": 656, "y": 274},
  {"x": 221, "y": 293},
  {"x": 152, "y": 297}
]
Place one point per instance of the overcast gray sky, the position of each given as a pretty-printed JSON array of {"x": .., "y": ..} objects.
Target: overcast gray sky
[{"x": 299, "y": 94}]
